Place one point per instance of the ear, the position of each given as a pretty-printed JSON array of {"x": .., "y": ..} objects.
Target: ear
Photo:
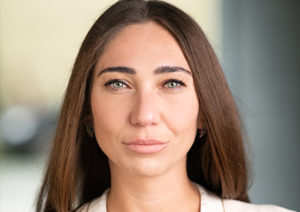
[
  {"x": 200, "y": 120},
  {"x": 88, "y": 118},
  {"x": 200, "y": 125}
]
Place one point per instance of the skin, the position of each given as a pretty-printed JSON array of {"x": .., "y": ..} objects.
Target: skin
[{"x": 146, "y": 105}]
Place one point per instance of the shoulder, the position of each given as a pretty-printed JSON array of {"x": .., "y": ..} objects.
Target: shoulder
[
  {"x": 235, "y": 205},
  {"x": 98, "y": 204},
  {"x": 210, "y": 201}
]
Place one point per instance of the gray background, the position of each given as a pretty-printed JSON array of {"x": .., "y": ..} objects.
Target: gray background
[{"x": 261, "y": 60}]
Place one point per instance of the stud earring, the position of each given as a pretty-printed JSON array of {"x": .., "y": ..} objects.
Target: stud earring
[
  {"x": 202, "y": 131},
  {"x": 90, "y": 129}
]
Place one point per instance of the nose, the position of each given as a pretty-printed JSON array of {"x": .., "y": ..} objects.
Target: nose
[{"x": 144, "y": 111}]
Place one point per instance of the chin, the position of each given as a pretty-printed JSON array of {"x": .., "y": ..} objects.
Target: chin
[{"x": 148, "y": 167}]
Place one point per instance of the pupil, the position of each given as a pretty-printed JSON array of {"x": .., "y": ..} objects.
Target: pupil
[
  {"x": 118, "y": 84},
  {"x": 173, "y": 84}
]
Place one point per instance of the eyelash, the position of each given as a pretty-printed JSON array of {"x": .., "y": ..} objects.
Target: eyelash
[
  {"x": 111, "y": 82},
  {"x": 179, "y": 82}
]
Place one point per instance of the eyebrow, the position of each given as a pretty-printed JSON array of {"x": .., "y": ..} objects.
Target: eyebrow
[{"x": 159, "y": 70}]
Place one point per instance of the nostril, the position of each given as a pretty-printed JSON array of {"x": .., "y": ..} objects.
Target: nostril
[{"x": 142, "y": 118}]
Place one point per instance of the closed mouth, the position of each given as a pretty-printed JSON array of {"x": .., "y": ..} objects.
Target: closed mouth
[{"x": 146, "y": 146}]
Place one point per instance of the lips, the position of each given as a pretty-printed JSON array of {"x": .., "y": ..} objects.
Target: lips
[{"x": 146, "y": 146}]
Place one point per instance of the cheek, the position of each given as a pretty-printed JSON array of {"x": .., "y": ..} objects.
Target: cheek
[
  {"x": 106, "y": 124},
  {"x": 183, "y": 113},
  {"x": 182, "y": 122},
  {"x": 105, "y": 119},
  {"x": 101, "y": 115},
  {"x": 107, "y": 112}
]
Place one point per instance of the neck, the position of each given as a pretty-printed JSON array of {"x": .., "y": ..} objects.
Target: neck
[{"x": 170, "y": 191}]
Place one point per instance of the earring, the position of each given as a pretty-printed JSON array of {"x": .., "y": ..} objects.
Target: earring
[
  {"x": 202, "y": 131},
  {"x": 90, "y": 129}
]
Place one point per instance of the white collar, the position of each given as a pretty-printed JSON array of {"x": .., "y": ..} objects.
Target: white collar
[{"x": 209, "y": 202}]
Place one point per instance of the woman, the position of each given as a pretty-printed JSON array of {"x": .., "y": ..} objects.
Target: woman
[{"x": 148, "y": 122}]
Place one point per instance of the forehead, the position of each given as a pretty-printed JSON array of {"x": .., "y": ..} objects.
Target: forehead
[{"x": 140, "y": 44}]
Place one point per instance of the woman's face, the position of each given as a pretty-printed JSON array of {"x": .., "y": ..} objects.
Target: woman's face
[{"x": 143, "y": 101}]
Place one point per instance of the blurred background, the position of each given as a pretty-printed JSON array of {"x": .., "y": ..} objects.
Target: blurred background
[{"x": 256, "y": 41}]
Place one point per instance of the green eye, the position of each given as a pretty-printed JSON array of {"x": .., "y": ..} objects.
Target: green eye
[
  {"x": 173, "y": 83},
  {"x": 116, "y": 84}
]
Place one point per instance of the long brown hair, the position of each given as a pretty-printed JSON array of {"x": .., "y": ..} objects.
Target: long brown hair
[{"x": 77, "y": 169}]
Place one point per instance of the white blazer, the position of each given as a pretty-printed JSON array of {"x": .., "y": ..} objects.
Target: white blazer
[{"x": 209, "y": 203}]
